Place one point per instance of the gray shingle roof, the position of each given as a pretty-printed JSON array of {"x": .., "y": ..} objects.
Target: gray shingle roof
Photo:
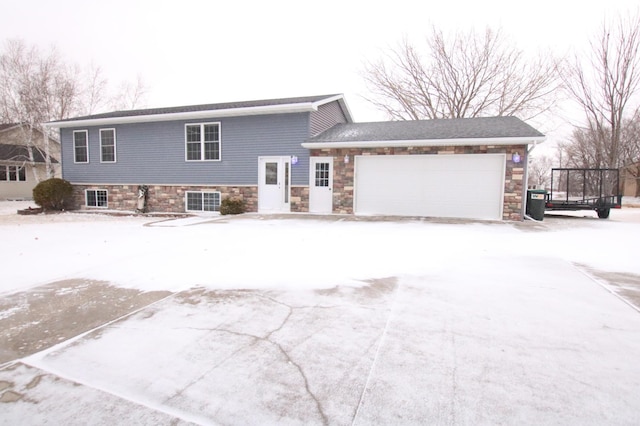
[
  {"x": 20, "y": 153},
  {"x": 6, "y": 126},
  {"x": 456, "y": 128},
  {"x": 203, "y": 107}
]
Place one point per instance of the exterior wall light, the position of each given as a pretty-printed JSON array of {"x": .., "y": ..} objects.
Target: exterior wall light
[
  {"x": 294, "y": 160},
  {"x": 346, "y": 159},
  {"x": 516, "y": 158}
]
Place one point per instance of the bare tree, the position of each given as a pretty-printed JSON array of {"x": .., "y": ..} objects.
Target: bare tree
[
  {"x": 540, "y": 171},
  {"x": 631, "y": 150},
  {"x": 129, "y": 96},
  {"x": 604, "y": 84},
  {"x": 37, "y": 87},
  {"x": 469, "y": 75},
  {"x": 95, "y": 89}
]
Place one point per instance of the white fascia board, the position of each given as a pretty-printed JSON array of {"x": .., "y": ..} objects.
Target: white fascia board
[
  {"x": 191, "y": 115},
  {"x": 425, "y": 142},
  {"x": 343, "y": 104},
  {"x": 327, "y": 100}
]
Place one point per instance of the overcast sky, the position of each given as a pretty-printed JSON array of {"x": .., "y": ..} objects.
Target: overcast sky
[{"x": 191, "y": 52}]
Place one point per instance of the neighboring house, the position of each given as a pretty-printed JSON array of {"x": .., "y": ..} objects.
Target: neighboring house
[
  {"x": 23, "y": 160},
  {"x": 630, "y": 180},
  {"x": 297, "y": 155}
]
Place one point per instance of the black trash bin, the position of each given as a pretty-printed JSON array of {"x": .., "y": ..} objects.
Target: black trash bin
[{"x": 536, "y": 200}]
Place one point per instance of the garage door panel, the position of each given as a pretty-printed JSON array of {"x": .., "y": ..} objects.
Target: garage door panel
[{"x": 465, "y": 186}]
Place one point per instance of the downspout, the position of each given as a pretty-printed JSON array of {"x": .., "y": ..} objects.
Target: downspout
[{"x": 530, "y": 148}]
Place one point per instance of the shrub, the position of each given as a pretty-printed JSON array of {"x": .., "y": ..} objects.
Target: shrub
[
  {"x": 53, "y": 194},
  {"x": 232, "y": 206}
]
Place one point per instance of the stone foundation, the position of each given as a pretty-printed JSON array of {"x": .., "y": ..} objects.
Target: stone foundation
[
  {"x": 163, "y": 198},
  {"x": 171, "y": 199},
  {"x": 300, "y": 199}
]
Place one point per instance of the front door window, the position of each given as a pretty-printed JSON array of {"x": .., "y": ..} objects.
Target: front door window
[
  {"x": 322, "y": 174},
  {"x": 271, "y": 173}
]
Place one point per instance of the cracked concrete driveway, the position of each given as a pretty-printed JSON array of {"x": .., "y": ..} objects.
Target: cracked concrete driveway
[
  {"x": 441, "y": 349},
  {"x": 348, "y": 320}
]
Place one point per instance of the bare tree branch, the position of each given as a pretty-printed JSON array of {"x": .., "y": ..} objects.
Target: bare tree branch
[
  {"x": 129, "y": 96},
  {"x": 468, "y": 75},
  {"x": 603, "y": 84},
  {"x": 37, "y": 87},
  {"x": 540, "y": 171}
]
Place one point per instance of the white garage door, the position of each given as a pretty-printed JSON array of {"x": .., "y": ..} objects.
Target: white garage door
[{"x": 461, "y": 186}]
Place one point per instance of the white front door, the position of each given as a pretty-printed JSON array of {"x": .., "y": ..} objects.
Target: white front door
[
  {"x": 321, "y": 185},
  {"x": 274, "y": 184}
]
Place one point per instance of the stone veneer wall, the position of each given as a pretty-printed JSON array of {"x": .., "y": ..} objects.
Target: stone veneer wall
[
  {"x": 300, "y": 199},
  {"x": 164, "y": 198},
  {"x": 343, "y": 174},
  {"x": 171, "y": 199}
]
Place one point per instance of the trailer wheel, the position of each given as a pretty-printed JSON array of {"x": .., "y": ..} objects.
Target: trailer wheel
[{"x": 603, "y": 213}]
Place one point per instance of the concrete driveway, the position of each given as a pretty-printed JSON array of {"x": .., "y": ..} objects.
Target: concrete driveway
[
  {"x": 462, "y": 323},
  {"x": 439, "y": 349}
]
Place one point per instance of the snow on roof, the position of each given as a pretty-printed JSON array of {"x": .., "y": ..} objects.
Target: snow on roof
[{"x": 483, "y": 128}]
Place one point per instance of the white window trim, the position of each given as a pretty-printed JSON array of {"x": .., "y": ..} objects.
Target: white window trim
[
  {"x": 86, "y": 132},
  {"x": 115, "y": 145},
  {"x": 202, "y": 142},
  {"x": 186, "y": 203},
  {"x": 16, "y": 170},
  {"x": 86, "y": 198}
]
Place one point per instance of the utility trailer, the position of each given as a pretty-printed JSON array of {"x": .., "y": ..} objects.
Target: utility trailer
[{"x": 585, "y": 189}]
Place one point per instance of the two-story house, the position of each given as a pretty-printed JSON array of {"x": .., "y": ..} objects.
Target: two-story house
[{"x": 297, "y": 155}]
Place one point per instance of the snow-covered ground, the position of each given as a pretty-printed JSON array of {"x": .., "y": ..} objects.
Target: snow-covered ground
[
  {"x": 330, "y": 320},
  {"x": 255, "y": 253},
  {"x": 631, "y": 201}
]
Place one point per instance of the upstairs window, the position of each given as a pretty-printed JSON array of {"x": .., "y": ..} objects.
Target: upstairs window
[
  {"x": 80, "y": 146},
  {"x": 107, "y": 145},
  {"x": 202, "y": 142}
]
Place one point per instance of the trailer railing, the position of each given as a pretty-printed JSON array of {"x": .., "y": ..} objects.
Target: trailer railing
[{"x": 584, "y": 189}]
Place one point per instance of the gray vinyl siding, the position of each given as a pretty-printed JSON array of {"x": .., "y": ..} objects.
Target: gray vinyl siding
[
  {"x": 327, "y": 116},
  {"x": 154, "y": 153}
]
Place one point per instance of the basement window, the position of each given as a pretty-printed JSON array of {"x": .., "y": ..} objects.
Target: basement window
[
  {"x": 96, "y": 197},
  {"x": 202, "y": 201}
]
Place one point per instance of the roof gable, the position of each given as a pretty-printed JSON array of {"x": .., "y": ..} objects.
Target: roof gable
[
  {"x": 7, "y": 126},
  {"x": 20, "y": 153}
]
